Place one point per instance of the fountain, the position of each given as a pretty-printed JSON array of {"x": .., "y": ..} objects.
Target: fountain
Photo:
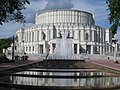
[{"x": 63, "y": 48}]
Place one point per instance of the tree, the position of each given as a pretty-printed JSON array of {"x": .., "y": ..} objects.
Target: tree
[
  {"x": 5, "y": 43},
  {"x": 11, "y": 10},
  {"x": 114, "y": 14}
]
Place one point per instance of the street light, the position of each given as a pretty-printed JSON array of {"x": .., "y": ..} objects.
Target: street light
[{"x": 13, "y": 49}]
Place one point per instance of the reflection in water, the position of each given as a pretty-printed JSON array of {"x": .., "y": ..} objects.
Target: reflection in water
[
  {"x": 81, "y": 73},
  {"x": 93, "y": 81},
  {"x": 66, "y": 82}
]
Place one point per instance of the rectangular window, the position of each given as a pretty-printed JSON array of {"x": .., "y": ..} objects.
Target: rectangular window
[
  {"x": 29, "y": 48},
  {"x": 75, "y": 48},
  {"x": 37, "y": 35},
  {"x": 54, "y": 32},
  {"x": 95, "y": 49},
  {"x": 41, "y": 49},
  {"x": 54, "y": 46},
  {"x": 29, "y": 36},
  {"x": 33, "y": 48},
  {"x": 32, "y": 36}
]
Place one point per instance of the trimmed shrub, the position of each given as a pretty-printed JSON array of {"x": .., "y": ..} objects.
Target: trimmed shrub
[{"x": 3, "y": 57}]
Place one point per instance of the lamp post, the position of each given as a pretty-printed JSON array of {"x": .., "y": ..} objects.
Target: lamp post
[{"x": 13, "y": 49}]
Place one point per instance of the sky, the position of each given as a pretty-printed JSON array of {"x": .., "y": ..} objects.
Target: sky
[{"x": 97, "y": 7}]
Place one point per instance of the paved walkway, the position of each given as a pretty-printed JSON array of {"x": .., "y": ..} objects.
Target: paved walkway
[
  {"x": 104, "y": 63},
  {"x": 18, "y": 63},
  {"x": 107, "y": 63}
]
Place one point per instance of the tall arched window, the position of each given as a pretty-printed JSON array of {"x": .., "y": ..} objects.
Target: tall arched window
[
  {"x": 37, "y": 35},
  {"x": 86, "y": 36},
  {"x": 54, "y": 32},
  {"x": 32, "y": 36},
  {"x": 29, "y": 36},
  {"x": 43, "y": 35}
]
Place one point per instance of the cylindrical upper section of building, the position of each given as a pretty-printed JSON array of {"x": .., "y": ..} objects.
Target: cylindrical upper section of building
[{"x": 65, "y": 16}]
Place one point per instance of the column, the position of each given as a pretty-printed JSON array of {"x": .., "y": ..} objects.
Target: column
[
  {"x": 51, "y": 34},
  {"x": 82, "y": 35},
  {"x": 58, "y": 33},
  {"x": 44, "y": 48},
  {"x": 47, "y": 33},
  {"x": 36, "y": 49},
  {"x": 40, "y": 36},
  {"x": 76, "y": 34},
  {"x": 98, "y": 50},
  {"x": 51, "y": 49},
  {"x": 71, "y": 33},
  {"x": 92, "y": 49},
  {"x": 78, "y": 48}
]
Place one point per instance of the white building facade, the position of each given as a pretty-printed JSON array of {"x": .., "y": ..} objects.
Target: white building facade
[{"x": 85, "y": 35}]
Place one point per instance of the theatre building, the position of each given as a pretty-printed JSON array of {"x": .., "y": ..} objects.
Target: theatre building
[{"x": 86, "y": 37}]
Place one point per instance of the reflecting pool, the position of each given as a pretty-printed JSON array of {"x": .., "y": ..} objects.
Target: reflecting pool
[
  {"x": 24, "y": 77},
  {"x": 104, "y": 81}
]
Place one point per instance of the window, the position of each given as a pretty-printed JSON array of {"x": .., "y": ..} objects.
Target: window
[
  {"x": 15, "y": 47},
  {"x": 43, "y": 35},
  {"x": 29, "y": 48},
  {"x": 53, "y": 45},
  {"x": 95, "y": 36},
  {"x": 37, "y": 35},
  {"x": 86, "y": 36},
  {"x": 29, "y": 36},
  {"x": 32, "y": 36},
  {"x": 75, "y": 48},
  {"x": 95, "y": 49},
  {"x": 80, "y": 49},
  {"x": 33, "y": 48},
  {"x": 54, "y": 32},
  {"x": 41, "y": 49}
]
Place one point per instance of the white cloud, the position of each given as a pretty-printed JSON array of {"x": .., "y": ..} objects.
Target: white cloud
[
  {"x": 36, "y": 5},
  {"x": 32, "y": 9}
]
